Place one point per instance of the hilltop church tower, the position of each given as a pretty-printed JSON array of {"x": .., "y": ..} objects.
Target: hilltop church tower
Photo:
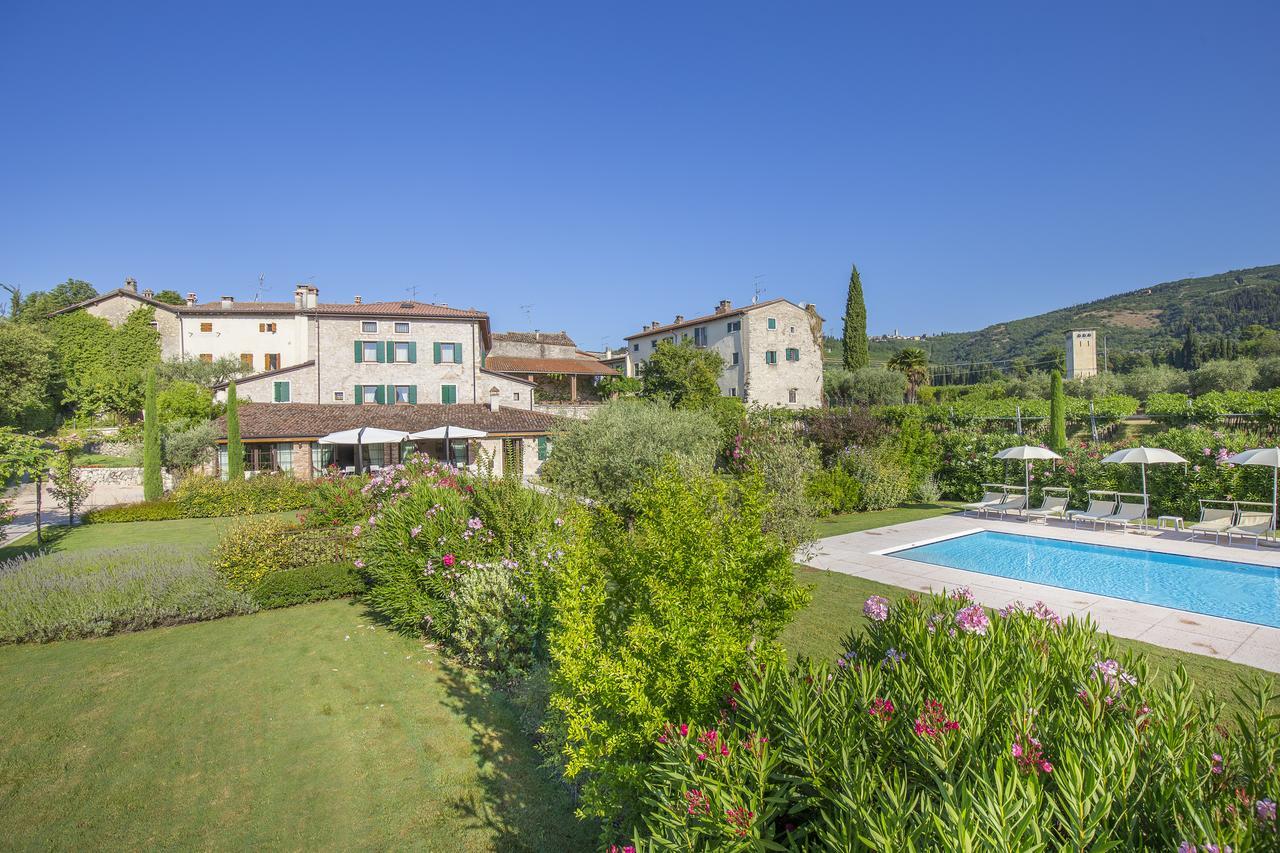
[{"x": 1082, "y": 354}]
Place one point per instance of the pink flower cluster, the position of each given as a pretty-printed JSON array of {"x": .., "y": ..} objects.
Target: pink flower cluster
[
  {"x": 876, "y": 609},
  {"x": 739, "y": 819},
  {"x": 1039, "y": 610},
  {"x": 1207, "y": 847},
  {"x": 696, "y": 802},
  {"x": 881, "y": 709},
  {"x": 973, "y": 620},
  {"x": 1029, "y": 755},
  {"x": 710, "y": 740},
  {"x": 962, "y": 593},
  {"x": 934, "y": 721},
  {"x": 1265, "y": 810}
]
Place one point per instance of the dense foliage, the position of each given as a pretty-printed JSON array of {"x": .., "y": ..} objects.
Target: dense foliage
[
  {"x": 946, "y": 727},
  {"x": 208, "y": 497},
  {"x": 287, "y": 587},
  {"x": 853, "y": 341},
  {"x": 104, "y": 367},
  {"x": 253, "y": 549},
  {"x": 29, "y": 377},
  {"x": 682, "y": 375}
]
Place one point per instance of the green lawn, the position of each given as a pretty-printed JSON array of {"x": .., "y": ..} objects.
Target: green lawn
[
  {"x": 837, "y": 609},
  {"x": 199, "y": 533},
  {"x": 297, "y": 728},
  {"x": 853, "y": 522}
]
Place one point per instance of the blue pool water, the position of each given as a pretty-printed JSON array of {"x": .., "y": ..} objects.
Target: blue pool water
[{"x": 1241, "y": 591}]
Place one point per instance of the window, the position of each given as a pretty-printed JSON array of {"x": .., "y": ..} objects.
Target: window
[
  {"x": 544, "y": 447},
  {"x": 402, "y": 328},
  {"x": 793, "y": 354},
  {"x": 735, "y": 325},
  {"x": 733, "y": 391},
  {"x": 404, "y": 352},
  {"x": 635, "y": 347},
  {"x": 369, "y": 326},
  {"x": 515, "y": 395},
  {"x": 206, "y": 357},
  {"x": 653, "y": 344},
  {"x": 735, "y": 359},
  {"x": 371, "y": 351},
  {"x": 448, "y": 353},
  {"x": 771, "y": 356},
  {"x": 700, "y": 336},
  {"x": 271, "y": 361},
  {"x": 206, "y": 327},
  {"x": 369, "y": 394},
  {"x": 459, "y": 451},
  {"x": 792, "y": 330},
  {"x": 773, "y": 322},
  {"x": 260, "y": 457},
  {"x": 791, "y": 396},
  {"x": 246, "y": 359},
  {"x": 267, "y": 327},
  {"x": 282, "y": 392},
  {"x": 339, "y": 396},
  {"x": 406, "y": 393},
  {"x": 448, "y": 394}
]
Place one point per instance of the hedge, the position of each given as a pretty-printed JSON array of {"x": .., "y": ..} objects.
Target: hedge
[
  {"x": 287, "y": 587},
  {"x": 250, "y": 551},
  {"x": 209, "y": 497}
]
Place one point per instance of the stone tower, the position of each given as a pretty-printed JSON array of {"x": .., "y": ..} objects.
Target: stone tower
[{"x": 1082, "y": 354}]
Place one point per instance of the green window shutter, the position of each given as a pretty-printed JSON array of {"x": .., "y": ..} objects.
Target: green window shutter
[
  {"x": 381, "y": 349},
  {"x": 542, "y": 447},
  {"x": 359, "y": 394},
  {"x": 448, "y": 393},
  {"x": 380, "y": 394},
  {"x": 484, "y": 358},
  {"x": 413, "y": 352},
  {"x": 413, "y": 389},
  {"x": 457, "y": 353},
  {"x": 359, "y": 351},
  {"x": 391, "y": 350},
  {"x": 282, "y": 392},
  {"x": 436, "y": 347}
]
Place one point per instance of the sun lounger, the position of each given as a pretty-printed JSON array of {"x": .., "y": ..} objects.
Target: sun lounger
[
  {"x": 1125, "y": 514},
  {"x": 1012, "y": 503},
  {"x": 1252, "y": 525},
  {"x": 1213, "y": 520},
  {"x": 1098, "y": 509},
  {"x": 1053, "y": 506},
  {"x": 988, "y": 499}
]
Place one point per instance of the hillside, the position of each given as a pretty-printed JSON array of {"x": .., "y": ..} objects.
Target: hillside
[{"x": 1149, "y": 318}]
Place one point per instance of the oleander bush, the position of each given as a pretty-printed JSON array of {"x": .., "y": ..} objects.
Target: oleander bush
[
  {"x": 338, "y": 501},
  {"x": 251, "y": 550},
  {"x": 946, "y": 727},
  {"x": 199, "y": 496},
  {"x": 92, "y": 593},
  {"x": 884, "y": 480},
  {"x": 496, "y": 627},
  {"x": 287, "y": 587}
]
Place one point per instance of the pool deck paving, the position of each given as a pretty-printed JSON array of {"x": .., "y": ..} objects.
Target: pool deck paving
[{"x": 862, "y": 554}]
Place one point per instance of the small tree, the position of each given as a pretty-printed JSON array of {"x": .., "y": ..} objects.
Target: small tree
[
  {"x": 1057, "y": 414},
  {"x": 25, "y": 456},
  {"x": 152, "y": 479},
  {"x": 683, "y": 375},
  {"x": 912, "y": 363},
  {"x": 856, "y": 353},
  {"x": 66, "y": 484},
  {"x": 235, "y": 448}
]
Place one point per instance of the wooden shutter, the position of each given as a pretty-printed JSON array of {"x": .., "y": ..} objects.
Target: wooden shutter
[
  {"x": 380, "y": 395},
  {"x": 448, "y": 393},
  {"x": 359, "y": 394},
  {"x": 457, "y": 353},
  {"x": 359, "y": 354},
  {"x": 542, "y": 447},
  {"x": 413, "y": 390},
  {"x": 436, "y": 347},
  {"x": 381, "y": 347},
  {"x": 413, "y": 352}
]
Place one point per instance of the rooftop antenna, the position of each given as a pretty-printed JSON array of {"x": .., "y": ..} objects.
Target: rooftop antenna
[
  {"x": 412, "y": 290},
  {"x": 755, "y": 284},
  {"x": 528, "y": 313},
  {"x": 257, "y": 294}
]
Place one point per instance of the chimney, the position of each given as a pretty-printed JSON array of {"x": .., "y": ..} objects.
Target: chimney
[
  {"x": 228, "y": 301},
  {"x": 148, "y": 294},
  {"x": 358, "y": 300},
  {"x": 312, "y": 297},
  {"x": 679, "y": 318},
  {"x": 191, "y": 299},
  {"x": 493, "y": 399},
  {"x": 300, "y": 296},
  {"x": 724, "y": 306},
  {"x": 654, "y": 324},
  {"x": 131, "y": 284},
  {"x": 537, "y": 336}
]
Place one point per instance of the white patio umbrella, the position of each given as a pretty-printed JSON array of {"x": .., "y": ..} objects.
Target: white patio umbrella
[
  {"x": 446, "y": 432},
  {"x": 361, "y": 436},
  {"x": 1027, "y": 453},
  {"x": 1269, "y": 456},
  {"x": 1144, "y": 456}
]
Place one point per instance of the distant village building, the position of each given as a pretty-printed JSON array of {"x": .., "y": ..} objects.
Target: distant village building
[
  {"x": 1082, "y": 354},
  {"x": 772, "y": 350},
  {"x": 563, "y": 373},
  {"x": 897, "y": 337}
]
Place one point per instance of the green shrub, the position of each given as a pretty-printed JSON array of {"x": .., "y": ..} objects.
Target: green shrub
[
  {"x": 945, "y": 727},
  {"x": 1224, "y": 375},
  {"x": 92, "y": 593},
  {"x": 161, "y": 510},
  {"x": 496, "y": 626},
  {"x": 1160, "y": 379},
  {"x": 785, "y": 460},
  {"x": 208, "y": 497},
  {"x": 655, "y": 618},
  {"x": 834, "y": 491},
  {"x": 867, "y": 386},
  {"x": 1268, "y": 373},
  {"x": 338, "y": 502},
  {"x": 885, "y": 481},
  {"x": 287, "y": 587},
  {"x": 251, "y": 550}
]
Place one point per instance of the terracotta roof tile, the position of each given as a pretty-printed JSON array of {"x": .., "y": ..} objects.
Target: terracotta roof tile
[
  {"x": 705, "y": 318},
  {"x": 560, "y": 339},
  {"x": 312, "y": 420},
  {"x": 521, "y": 365}
]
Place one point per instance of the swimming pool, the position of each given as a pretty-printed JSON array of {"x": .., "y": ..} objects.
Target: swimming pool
[{"x": 1241, "y": 591}]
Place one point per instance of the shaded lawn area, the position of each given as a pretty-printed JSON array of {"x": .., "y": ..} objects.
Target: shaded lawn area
[
  {"x": 834, "y": 525},
  {"x": 301, "y": 728},
  {"x": 836, "y": 609},
  {"x": 196, "y": 533}
]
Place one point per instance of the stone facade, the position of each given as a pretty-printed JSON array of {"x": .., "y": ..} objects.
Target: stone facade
[{"x": 117, "y": 307}]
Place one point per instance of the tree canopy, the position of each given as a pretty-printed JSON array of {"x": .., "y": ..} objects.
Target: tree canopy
[
  {"x": 29, "y": 377},
  {"x": 856, "y": 353},
  {"x": 683, "y": 375}
]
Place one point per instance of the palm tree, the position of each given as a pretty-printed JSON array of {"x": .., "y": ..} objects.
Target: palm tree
[{"x": 912, "y": 363}]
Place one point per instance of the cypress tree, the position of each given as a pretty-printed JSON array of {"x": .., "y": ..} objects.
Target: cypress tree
[
  {"x": 152, "y": 480},
  {"x": 856, "y": 355},
  {"x": 235, "y": 448},
  {"x": 1057, "y": 414}
]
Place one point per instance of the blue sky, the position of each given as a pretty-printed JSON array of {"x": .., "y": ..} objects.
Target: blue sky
[{"x": 609, "y": 164}]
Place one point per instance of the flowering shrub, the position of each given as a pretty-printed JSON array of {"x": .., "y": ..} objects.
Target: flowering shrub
[{"x": 1016, "y": 731}]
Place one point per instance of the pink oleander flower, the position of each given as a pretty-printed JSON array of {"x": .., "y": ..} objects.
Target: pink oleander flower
[
  {"x": 684, "y": 730},
  {"x": 973, "y": 620},
  {"x": 449, "y": 560},
  {"x": 1028, "y": 754},
  {"x": 696, "y": 802},
  {"x": 1216, "y": 766},
  {"x": 881, "y": 709},
  {"x": 934, "y": 721},
  {"x": 740, "y": 819},
  {"x": 1186, "y": 847},
  {"x": 876, "y": 608},
  {"x": 961, "y": 593},
  {"x": 702, "y": 756},
  {"x": 359, "y": 564}
]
